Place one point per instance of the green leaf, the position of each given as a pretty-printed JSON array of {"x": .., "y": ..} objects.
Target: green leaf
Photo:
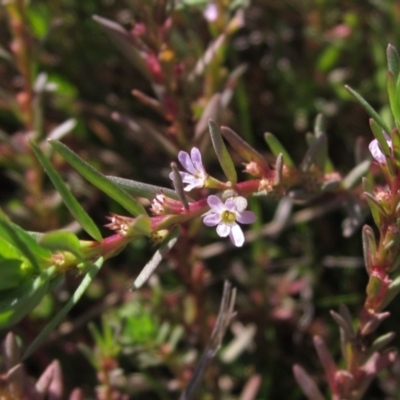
[
  {"x": 381, "y": 342},
  {"x": 380, "y": 137},
  {"x": 243, "y": 148},
  {"x": 25, "y": 243},
  {"x": 393, "y": 92},
  {"x": 395, "y": 136},
  {"x": 369, "y": 247},
  {"x": 141, "y": 225},
  {"x": 10, "y": 273},
  {"x": 99, "y": 180},
  {"x": 8, "y": 251},
  {"x": 222, "y": 153},
  {"x": 376, "y": 208},
  {"x": 277, "y": 148},
  {"x": 355, "y": 175},
  {"x": 278, "y": 170},
  {"x": 6, "y": 55},
  {"x": 211, "y": 111},
  {"x": 393, "y": 60},
  {"x": 61, "y": 130},
  {"x": 17, "y": 303},
  {"x": 95, "y": 268},
  {"x": 122, "y": 40},
  {"x": 70, "y": 201},
  {"x": 393, "y": 291},
  {"x": 62, "y": 241},
  {"x": 148, "y": 131},
  {"x": 141, "y": 189},
  {"x": 314, "y": 154},
  {"x": 368, "y": 108},
  {"x": 322, "y": 160},
  {"x": 178, "y": 185},
  {"x": 149, "y": 268}
]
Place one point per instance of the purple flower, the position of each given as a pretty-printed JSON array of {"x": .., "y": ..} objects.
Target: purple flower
[
  {"x": 376, "y": 151},
  {"x": 224, "y": 216},
  {"x": 196, "y": 175}
]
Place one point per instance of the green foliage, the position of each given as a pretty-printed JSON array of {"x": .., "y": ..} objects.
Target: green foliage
[{"x": 99, "y": 180}]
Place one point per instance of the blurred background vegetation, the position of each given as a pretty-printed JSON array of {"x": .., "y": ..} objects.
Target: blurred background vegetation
[{"x": 145, "y": 344}]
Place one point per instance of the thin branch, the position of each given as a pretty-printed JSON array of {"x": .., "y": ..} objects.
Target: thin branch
[{"x": 225, "y": 316}]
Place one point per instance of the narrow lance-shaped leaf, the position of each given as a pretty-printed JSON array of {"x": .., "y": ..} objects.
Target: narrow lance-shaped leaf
[
  {"x": 376, "y": 208},
  {"x": 355, "y": 175},
  {"x": 99, "y": 180},
  {"x": 5, "y": 55},
  {"x": 15, "y": 304},
  {"x": 222, "y": 153},
  {"x": 380, "y": 136},
  {"x": 211, "y": 111},
  {"x": 211, "y": 52},
  {"x": 62, "y": 241},
  {"x": 374, "y": 322},
  {"x": 61, "y": 130},
  {"x": 70, "y": 201},
  {"x": 373, "y": 202},
  {"x": 178, "y": 185},
  {"x": 306, "y": 383},
  {"x": 369, "y": 109},
  {"x": 122, "y": 40},
  {"x": 326, "y": 360},
  {"x": 243, "y": 148},
  {"x": 393, "y": 88},
  {"x": 393, "y": 291},
  {"x": 86, "y": 281},
  {"x": 147, "y": 131},
  {"x": 39, "y": 88},
  {"x": 344, "y": 324},
  {"x": 25, "y": 243},
  {"x": 225, "y": 315},
  {"x": 278, "y": 170},
  {"x": 322, "y": 159},
  {"x": 395, "y": 136},
  {"x": 346, "y": 333},
  {"x": 145, "y": 190},
  {"x": 149, "y": 268},
  {"x": 277, "y": 148},
  {"x": 393, "y": 60},
  {"x": 314, "y": 154},
  {"x": 369, "y": 247},
  {"x": 319, "y": 126},
  {"x": 381, "y": 342}
]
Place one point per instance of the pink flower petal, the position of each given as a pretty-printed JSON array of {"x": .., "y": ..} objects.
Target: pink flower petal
[
  {"x": 246, "y": 217},
  {"x": 376, "y": 151},
  {"x": 236, "y": 235},
  {"x": 186, "y": 162},
  {"x": 230, "y": 204},
  {"x": 215, "y": 203},
  {"x": 196, "y": 159},
  {"x": 212, "y": 219},
  {"x": 211, "y": 12},
  {"x": 241, "y": 203},
  {"x": 223, "y": 230}
]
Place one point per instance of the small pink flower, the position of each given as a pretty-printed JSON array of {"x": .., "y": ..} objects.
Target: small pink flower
[
  {"x": 196, "y": 176},
  {"x": 211, "y": 12},
  {"x": 376, "y": 151},
  {"x": 224, "y": 216}
]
